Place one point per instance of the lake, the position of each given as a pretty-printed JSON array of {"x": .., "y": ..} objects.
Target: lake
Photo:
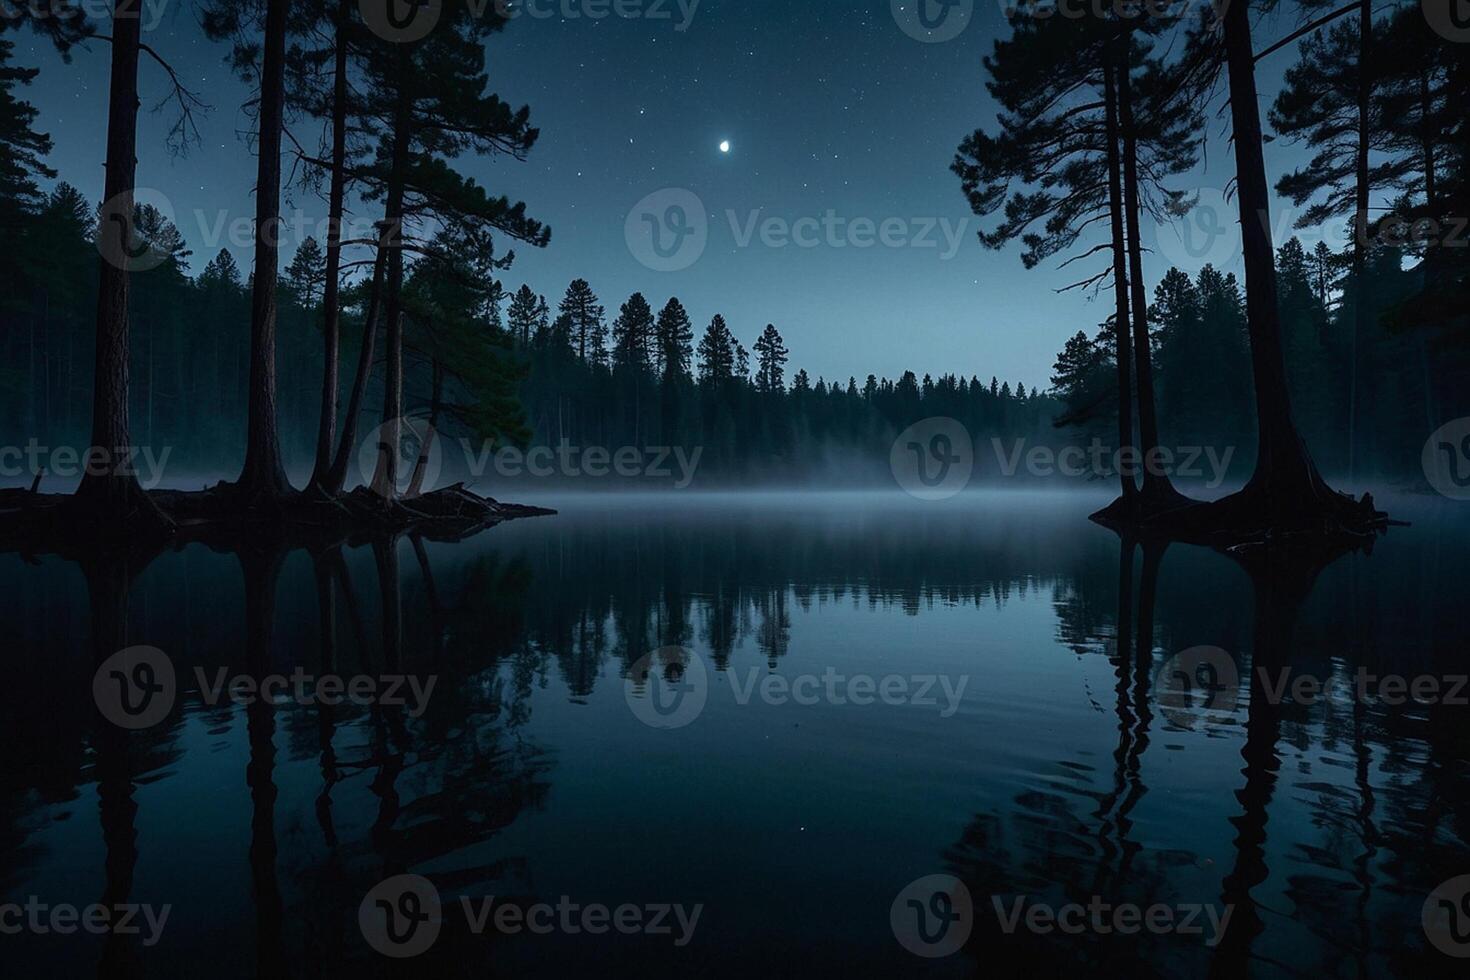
[{"x": 702, "y": 734}]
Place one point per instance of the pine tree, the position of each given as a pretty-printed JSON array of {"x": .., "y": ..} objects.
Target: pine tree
[
  {"x": 771, "y": 357},
  {"x": 633, "y": 335},
  {"x": 674, "y": 341},
  {"x": 716, "y": 354},
  {"x": 304, "y": 276},
  {"x": 523, "y": 314},
  {"x": 1063, "y": 160},
  {"x": 22, "y": 152},
  {"x": 429, "y": 97},
  {"x": 589, "y": 333}
]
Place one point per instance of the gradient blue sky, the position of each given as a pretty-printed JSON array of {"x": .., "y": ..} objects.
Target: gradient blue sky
[{"x": 829, "y": 106}]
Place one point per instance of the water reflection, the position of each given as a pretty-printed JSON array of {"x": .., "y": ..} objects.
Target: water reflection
[{"x": 1321, "y": 827}]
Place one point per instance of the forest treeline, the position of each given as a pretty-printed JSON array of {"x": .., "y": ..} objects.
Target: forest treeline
[
  {"x": 630, "y": 377},
  {"x": 1353, "y": 354},
  {"x": 639, "y": 377}
]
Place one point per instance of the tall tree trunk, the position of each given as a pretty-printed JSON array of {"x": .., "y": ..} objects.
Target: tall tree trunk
[
  {"x": 1286, "y": 483},
  {"x": 426, "y": 443},
  {"x": 1360, "y": 227},
  {"x": 263, "y": 477},
  {"x": 112, "y": 492},
  {"x": 337, "y": 476},
  {"x": 1427, "y": 138},
  {"x": 1120, "y": 280},
  {"x": 1158, "y": 489},
  {"x": 326, "y": 434},
  {"x": 385, "y": 481}
]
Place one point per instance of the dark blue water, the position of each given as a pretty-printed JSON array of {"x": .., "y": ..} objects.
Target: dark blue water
[{"x": 1045, "y": 761}]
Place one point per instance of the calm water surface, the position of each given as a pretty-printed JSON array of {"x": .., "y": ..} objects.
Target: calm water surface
[{"x": 1042, "y": 761}]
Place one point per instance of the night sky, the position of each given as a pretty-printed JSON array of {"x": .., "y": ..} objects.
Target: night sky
[{"x": 828, "y": 105}]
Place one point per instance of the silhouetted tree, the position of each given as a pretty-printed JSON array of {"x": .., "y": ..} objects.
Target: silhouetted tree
[
  {"x": 771, "y": 356},
  {"x": 674, "y": 337}
]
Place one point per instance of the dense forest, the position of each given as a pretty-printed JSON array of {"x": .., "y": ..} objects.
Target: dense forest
[
  {"x": 640, "y": 377},
  {"x": 1352, "y": 354}
]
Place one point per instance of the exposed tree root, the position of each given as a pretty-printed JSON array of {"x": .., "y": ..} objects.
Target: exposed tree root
[
  {"x": 1318, "y": 519},
  {"x": 1153, "y": 502},
  {"x": 34, "y": 523}
]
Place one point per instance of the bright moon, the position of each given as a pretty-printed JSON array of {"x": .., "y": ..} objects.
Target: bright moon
[{"x": 724, "y": 146}]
